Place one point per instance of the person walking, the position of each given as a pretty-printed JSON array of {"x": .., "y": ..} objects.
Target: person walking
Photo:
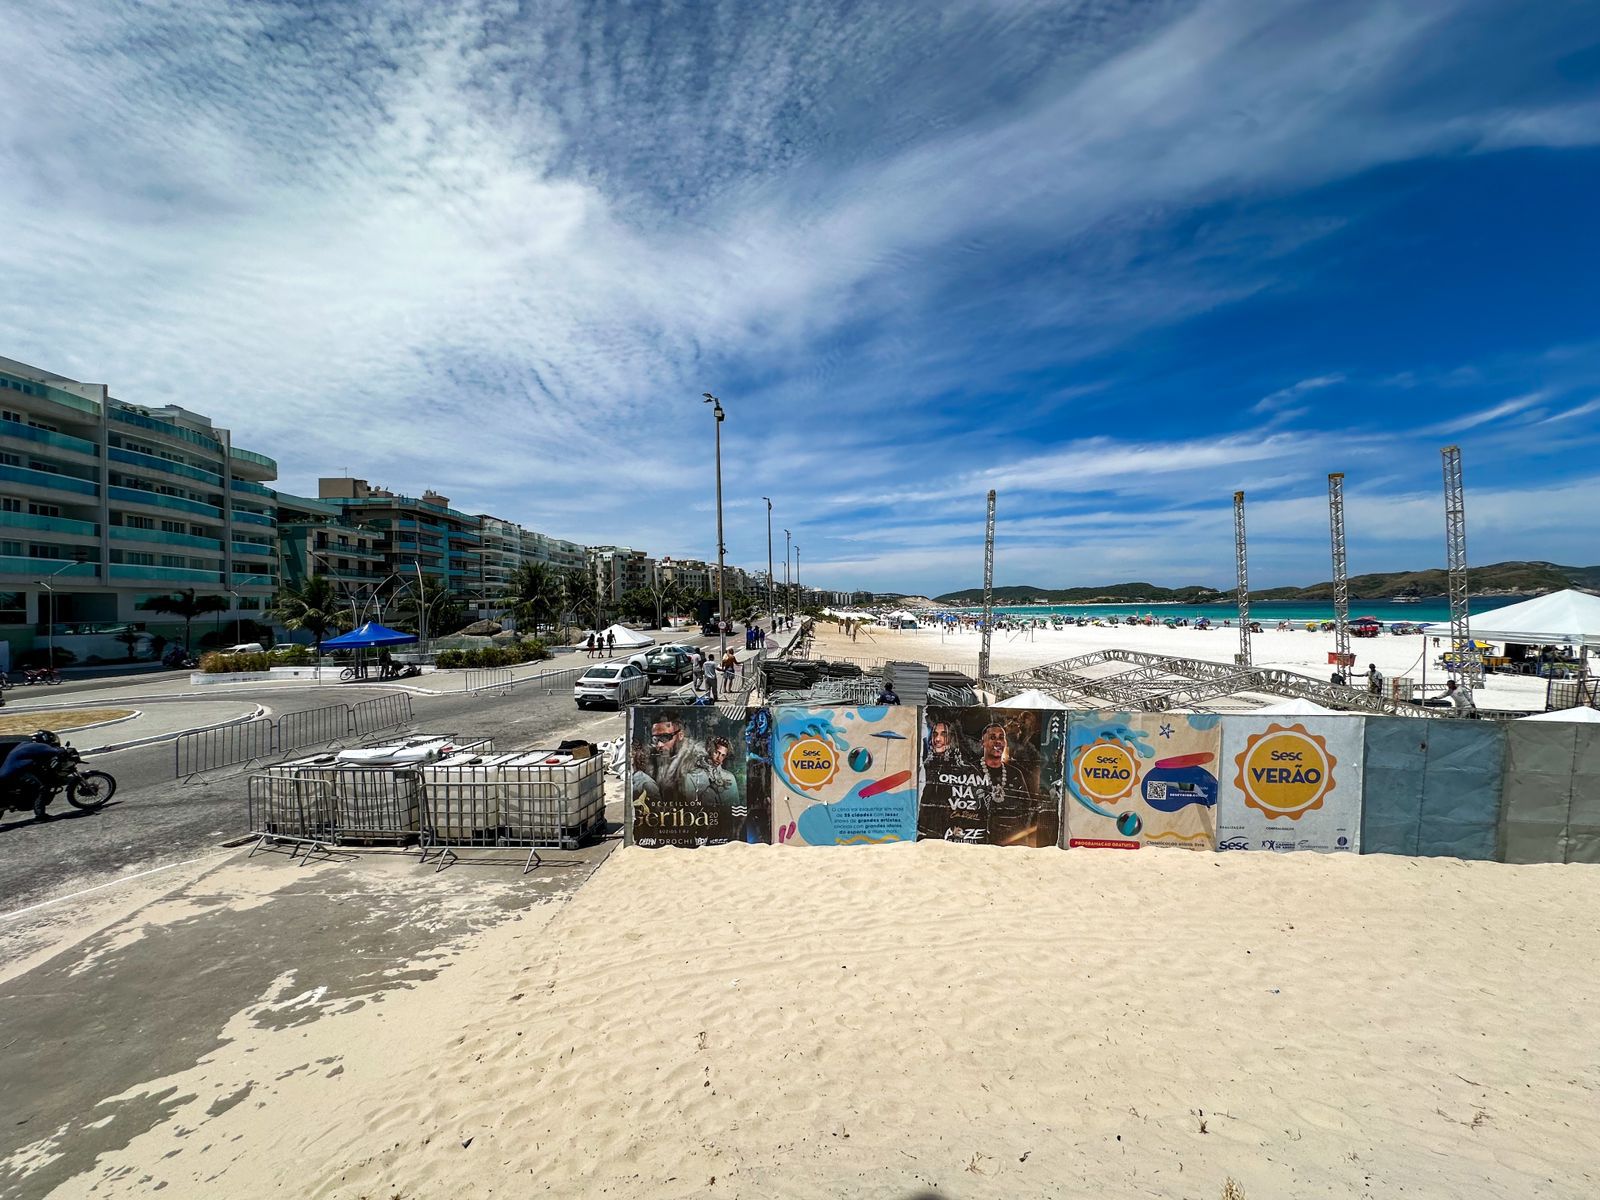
[
  {"x": 709, "y": 674},
  {"x": 730, "y": 664},
  {"x": 694, "y": 667},
  {"x": 1461, "y": 698},
  {"x": 611, "y": 641},
  {"x": 588, "y": 645}
]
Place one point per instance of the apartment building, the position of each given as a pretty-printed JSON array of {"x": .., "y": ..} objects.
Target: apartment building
[
  {"x": 315, "y": 537},
  {"x": 105, "y": 505},
  {"x": 413, "y": 532},
  {"x": 558, "y": 552},
  {"x": 618, "y": 570}
]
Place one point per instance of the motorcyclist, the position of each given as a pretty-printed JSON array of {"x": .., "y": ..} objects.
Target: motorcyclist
[{"x": 24, "y": 767}]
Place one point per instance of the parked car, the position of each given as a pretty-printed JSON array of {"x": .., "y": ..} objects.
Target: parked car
[
  {"x": 668, "y": 666},
  {"x": 614, "y": 683}
]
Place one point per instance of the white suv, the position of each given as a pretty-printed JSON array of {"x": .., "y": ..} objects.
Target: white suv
[{"x": 614, "y": 684}]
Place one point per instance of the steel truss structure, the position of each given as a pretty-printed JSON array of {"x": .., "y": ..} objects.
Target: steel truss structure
[
  {"x": 1341, "y": 579},
  {"x": 1165, "y": 683},
  {"x": 1455, "y": 546},
  {"x": 1242, "y": 569},
  {"x": 988, "y": 593}
]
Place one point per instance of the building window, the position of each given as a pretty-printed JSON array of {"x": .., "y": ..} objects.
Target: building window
[
  {"x": 172, "y": 527},
  {"x": 140, "y": 522},
  {"x": 10, "y": 504},
  {"x": 8, "y": 415},
  {"x": 13, "y": 608},
  {"x": 45, "y": 510},
  {"x": 141, "y": 559},
  {"x": 10, "y": 460},
  {"x": 14, "y": 549},
  {"x": 174, "y": 560}
]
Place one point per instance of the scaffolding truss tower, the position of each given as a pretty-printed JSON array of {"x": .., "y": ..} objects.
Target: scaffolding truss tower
[
  {"x": 988, "y": 593},
  {"x": 1341, "y": 579},
  {"x": 1243, "y": 658},
  {"x": 1468, "y": 663}
]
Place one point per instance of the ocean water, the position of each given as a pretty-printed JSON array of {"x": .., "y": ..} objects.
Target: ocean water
[{"x": 1268, "y": 612}]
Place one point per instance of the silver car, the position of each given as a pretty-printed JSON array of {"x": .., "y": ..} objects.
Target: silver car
[{"x": 614, "y": 684}]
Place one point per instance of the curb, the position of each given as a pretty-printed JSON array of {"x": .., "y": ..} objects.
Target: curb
[{"x": 174, "y": 734}]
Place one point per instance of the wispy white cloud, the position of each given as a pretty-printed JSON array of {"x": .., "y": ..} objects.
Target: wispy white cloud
[
  {"x": 1484, "y": 416},
  {"x": 500, "y": 250}
]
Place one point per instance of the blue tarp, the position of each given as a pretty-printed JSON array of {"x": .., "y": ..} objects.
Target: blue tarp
[
  {"x": 369, "y": 635},
  {"x": 1432, "y": 787}
]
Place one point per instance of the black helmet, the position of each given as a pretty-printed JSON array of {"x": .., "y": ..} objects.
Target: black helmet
[{"x": 46, "y": 737}]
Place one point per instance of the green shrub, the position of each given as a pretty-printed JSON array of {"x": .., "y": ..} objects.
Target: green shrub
[{"x": 528, "y": 650}]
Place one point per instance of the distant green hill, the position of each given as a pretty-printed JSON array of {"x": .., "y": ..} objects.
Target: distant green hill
[
  {"x": 1495, "y": 579},
  {"x": 1116, "y": 593}
]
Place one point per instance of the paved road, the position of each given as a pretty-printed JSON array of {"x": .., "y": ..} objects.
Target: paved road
[{"x": 154, "y": 820}]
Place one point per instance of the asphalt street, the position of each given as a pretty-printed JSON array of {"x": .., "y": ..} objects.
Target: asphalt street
[{"x": 155, "y": 820}]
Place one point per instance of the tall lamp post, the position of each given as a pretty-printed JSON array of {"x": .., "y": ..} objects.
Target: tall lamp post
[
  {"x": 768, "y": 499},
  {"x": 799, "y": 592},
  {"x": 80, "y": 556},
  {"x": 238, "y": 617},
  {"x": 722, "y": 628},
  {"x": 786, "y": 605}
]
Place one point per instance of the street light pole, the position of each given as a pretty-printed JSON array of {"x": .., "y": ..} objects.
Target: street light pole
[
  {"x": 768, "y": 499},
  {"x": 50, "y": 617},
  {"x": 238, "y": 617},
  {"x": 786, "y": 605},
  {"x": 722, "y": 628}
]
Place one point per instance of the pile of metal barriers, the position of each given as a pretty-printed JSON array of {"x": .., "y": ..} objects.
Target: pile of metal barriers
[{"x": 438, "y": 792}]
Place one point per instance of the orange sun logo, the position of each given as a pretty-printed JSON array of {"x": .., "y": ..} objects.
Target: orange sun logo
[{"x": 1285, "y": 772}]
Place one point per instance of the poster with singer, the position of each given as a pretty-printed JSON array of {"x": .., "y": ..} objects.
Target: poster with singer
[{"x": 992, "y": 776}]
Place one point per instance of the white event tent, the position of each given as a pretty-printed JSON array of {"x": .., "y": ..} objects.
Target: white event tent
[
  {"x": 1032, "y": 698},
  {"x": 1568, "y": 617},
  {"x": 628, "y": 639}
]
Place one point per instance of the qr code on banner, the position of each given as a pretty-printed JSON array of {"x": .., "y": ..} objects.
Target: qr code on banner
[{"x": 1155, "y": 791}]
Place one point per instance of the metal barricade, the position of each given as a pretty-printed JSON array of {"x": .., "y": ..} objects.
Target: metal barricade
[
  {"x": 551, "y": 806},
  {"x": 292, "y": 809},
  {"x": 228, "y": 746},
  {"x": 385, "y": 712},
  {"x": 376, "y": 804},
  {"x": 549, "y": 682},
  {"x": 313, "y": 727},
  {"x": 497, "y": 680}
]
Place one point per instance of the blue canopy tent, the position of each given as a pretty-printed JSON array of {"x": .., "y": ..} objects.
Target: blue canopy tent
[{"x": 368, "y": 637}]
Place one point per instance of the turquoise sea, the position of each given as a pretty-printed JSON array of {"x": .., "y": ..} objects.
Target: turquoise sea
[{"x": 1268, "y": 612}]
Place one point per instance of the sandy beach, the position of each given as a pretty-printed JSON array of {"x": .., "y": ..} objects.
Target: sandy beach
[{"x": 935, "y": 1020}]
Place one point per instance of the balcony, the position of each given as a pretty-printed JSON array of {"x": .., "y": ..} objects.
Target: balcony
[
  {"x": 250, "y": 518},
  {"x": 252, "y": 548},
  {"x": 44, "y": 437},
  {"x": 49, "y": 480},
  {"x": 43, "y": 391},
  {"x": 154, "y": 462},
  {"x": 51, "y": 524},
  {"x": 255, "y": 489},
  {"x": 166, "y": 429},
  {"x": 166, "y": 574},
  {"x": 159, "y": 537},
  {"x": 129, "y": 495},
  {"x": 43, "y": 568},
  {"x": 244, "y": 579},
  {"x": 256, "y": 464}
]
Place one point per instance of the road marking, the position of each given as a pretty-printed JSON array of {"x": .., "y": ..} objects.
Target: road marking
[{"x": 109, "y": 883}]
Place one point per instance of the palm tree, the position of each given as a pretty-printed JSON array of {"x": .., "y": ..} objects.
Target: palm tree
[
  {"x": 535, "y": 595},
  {"x": 186, "y": 605},
  {"x": 313, "y": 606}
]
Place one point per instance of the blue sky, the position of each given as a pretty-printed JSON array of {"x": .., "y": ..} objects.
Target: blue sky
[{"x": 1114, "y": 260}]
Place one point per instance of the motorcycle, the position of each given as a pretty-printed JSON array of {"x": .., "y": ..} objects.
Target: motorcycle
[
  {"x": 178, "y": 659},
  {"x": 46, "y": 675},
  {"x": 62, "y": 772}
]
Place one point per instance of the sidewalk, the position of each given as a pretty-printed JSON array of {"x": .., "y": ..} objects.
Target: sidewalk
[{"x": 155, "y": 720}]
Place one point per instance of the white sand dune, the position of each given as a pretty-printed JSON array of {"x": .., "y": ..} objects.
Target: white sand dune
[{"x": 967, "y": 1021}]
